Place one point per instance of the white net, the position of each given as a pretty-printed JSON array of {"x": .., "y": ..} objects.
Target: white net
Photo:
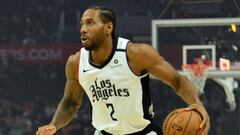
[{"x": 197, "y": 74}]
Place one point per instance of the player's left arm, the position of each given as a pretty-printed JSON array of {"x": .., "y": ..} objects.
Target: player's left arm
[{"x": 148, "y": 59}]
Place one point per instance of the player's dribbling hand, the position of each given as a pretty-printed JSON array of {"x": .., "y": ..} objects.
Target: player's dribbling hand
[
  {"x": 46, "y": 130},
  {"x": 205, "y": 125}
]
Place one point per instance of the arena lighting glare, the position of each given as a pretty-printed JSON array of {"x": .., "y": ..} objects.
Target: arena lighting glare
[{"x": 234, "y": 27}]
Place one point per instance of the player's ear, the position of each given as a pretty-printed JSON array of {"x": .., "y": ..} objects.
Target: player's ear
[{"x": 109, "y": 27}]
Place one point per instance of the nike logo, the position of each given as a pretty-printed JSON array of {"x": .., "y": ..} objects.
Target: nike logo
[{"x": 85, "y": 70}]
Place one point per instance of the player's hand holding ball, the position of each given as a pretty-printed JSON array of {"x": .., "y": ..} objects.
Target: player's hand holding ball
[
  {"x": 205, "y": 125},
  {"x": 193, "y": 120},
  {"x": 46, "y": 130}
]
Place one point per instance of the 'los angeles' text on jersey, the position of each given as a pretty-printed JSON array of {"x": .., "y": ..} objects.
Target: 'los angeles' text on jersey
[{"x": 103, "y": 89}]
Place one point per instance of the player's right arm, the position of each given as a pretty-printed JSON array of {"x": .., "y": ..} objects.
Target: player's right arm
[{"x": 70, "y": 102}]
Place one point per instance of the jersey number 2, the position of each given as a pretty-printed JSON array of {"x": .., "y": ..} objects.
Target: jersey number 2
[{"x": 110, "y": 106}]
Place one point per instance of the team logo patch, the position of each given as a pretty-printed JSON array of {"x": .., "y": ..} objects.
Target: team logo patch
[{"x": 116, "y": 61}]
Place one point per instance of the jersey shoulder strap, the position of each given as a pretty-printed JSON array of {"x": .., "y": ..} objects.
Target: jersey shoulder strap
[{"x": 122, "y": 44}]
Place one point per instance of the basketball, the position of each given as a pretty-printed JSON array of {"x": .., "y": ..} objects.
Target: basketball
[{"x": 182, "y": 122}]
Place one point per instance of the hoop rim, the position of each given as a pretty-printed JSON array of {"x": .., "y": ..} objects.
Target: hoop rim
[{"x": 197, "y": 69}]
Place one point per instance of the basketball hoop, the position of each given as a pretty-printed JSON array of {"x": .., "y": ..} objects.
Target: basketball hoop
[{"x": 197, "y": 74}]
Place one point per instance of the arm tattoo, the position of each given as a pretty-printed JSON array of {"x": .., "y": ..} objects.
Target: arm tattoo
[{"x": 69, "y": 104}]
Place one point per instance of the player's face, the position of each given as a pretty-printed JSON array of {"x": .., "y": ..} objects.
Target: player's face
[{"x": 92, "y": 29}]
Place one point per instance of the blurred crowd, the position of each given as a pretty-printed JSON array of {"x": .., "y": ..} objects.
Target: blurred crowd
[
  {"x": 28, "y": 22},
  {"x": 23, "y": 116},
  {"x": 43, "y": 21}
]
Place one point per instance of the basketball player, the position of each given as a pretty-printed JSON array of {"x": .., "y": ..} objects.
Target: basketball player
[{"x": 113, "y": 72}]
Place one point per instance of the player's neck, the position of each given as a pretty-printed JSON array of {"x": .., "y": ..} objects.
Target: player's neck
[{"x": 101, "y": 54}]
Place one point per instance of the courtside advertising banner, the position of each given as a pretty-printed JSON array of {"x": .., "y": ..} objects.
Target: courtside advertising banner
[{"x": 38, "y": 54}]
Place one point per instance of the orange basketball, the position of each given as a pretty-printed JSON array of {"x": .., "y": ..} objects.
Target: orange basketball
[{"x": 182, "y": 122}]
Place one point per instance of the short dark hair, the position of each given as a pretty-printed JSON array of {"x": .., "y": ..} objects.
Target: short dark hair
[{"x": 107, "y": 15}]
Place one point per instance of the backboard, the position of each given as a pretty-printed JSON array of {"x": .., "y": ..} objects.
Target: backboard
[
  {"x": 199, "y": 53},
  {"x": 171, "y": 32}
]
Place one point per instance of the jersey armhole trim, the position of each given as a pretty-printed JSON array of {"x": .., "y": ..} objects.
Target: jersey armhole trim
[
  {"x": 139, "y": 76},
  {"x": 121, "y": 50}
]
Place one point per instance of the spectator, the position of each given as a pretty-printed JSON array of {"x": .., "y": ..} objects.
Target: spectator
[{"x": 29, "y": 40}]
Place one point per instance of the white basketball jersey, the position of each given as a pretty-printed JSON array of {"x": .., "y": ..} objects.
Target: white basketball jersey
[{"x": 120, "y": 100}]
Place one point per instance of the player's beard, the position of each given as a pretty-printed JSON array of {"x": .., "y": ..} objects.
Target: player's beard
[{"x": 91, "y": 47}]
